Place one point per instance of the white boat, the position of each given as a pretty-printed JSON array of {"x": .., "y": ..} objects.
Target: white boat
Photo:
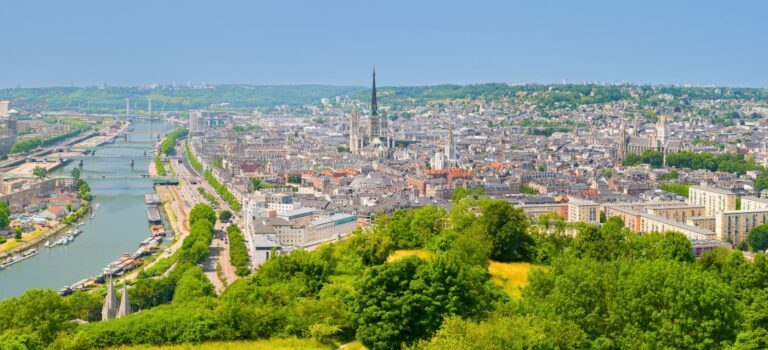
[
  {"x": 92, "y": 216},
  {"x": 9, "y": 260},
  {"x": 16, "y": 258},
  {"x": 48, "y": 244},
  {"x": 29, "y": 253}
]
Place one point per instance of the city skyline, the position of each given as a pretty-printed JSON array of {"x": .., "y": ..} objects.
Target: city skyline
[{"x": 412, "y": 44}]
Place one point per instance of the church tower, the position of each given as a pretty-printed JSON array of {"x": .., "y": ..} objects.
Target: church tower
[
  {"x": 125, "y": 304},
  {"x": 374, "y": 122},
  {"x": 661, "y": 130},
  {"x": 450, "y": 152},
  {"x": 622, "y": 149},
  {"x": 109, "y": 311}
]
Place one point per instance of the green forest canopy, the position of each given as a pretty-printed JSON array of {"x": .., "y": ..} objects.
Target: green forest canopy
[{"x": 605, "y": 288}]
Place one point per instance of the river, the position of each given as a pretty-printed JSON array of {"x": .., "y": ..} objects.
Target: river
[{"x": 120, "y": 223}]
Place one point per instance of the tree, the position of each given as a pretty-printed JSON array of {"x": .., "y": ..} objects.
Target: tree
[
  {"x": 460, "y": 193},
  {"x": 238, "y": 253},
  {"x": 84, "y": 191},
  {"x": 507, "y": 228},
  {"x": 75, "y": 174},
  {"x": 758, "y": 237},
  {"x": 373, "y": 249},
  {"x": 4, "y": 214},
  {"x": 225, "y": 215},
  {"x": 670, "y": 245},
  {"x": 398, "y": 227},
  {"x": 406, "y": 300},
  {"x": 202, "y": 212},
  {"x": 192, "y": 286},
  {"x": 637, "y": 304},
  {"x": 38, "y": 311},
  {"x": 85, "y": 306},
  {"x": 427, "y": 222},
  {"x": 507, "y": 333},
  {"x": 258, "y": 183},
  {"x": 17, "y": 233},
  {"x": 761, "y": 183},
  {"x": 40, "y": 172}
]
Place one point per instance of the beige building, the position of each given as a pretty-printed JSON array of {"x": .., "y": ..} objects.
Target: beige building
[
  {"x": 652, "y": 223},
  {"x": 705, "y": 222},
  {"x": 734, "y": 225},
  {"x": 536, "y": 210},
  {"x": 583, "y": 211},
  {"x": 754, "y": 203},
  {"x": 5, "y": 107},
  {"x": 714, "y": 200},
  {"x": 679, "y": 213}
]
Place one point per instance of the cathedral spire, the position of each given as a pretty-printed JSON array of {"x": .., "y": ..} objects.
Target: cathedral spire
[
  {"x": 109, "y": 310},
  {"x": 125, "y": 304},
  {"x": 374, "y": 106}
]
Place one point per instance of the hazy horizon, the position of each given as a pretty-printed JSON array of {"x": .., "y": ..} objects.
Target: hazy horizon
[{"x": 86, "y": 42}]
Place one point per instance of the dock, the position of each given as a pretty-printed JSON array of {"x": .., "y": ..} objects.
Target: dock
[
  {"x": 153, "y": 214},
  {"x": 151, "y": 199}
]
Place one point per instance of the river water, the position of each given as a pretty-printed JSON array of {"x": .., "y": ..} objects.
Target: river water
[{"x": 120, "y": 223}]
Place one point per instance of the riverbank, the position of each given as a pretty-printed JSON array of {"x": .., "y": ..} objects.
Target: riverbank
[
  {"x": 178, "y": 226},
  {"x": 119, "y": 226},
  {"x": 37, "y": 237}
]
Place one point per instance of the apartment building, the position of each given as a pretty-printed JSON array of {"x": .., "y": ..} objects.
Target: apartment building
[
  {"x": 734, "y": 225},
  {"x": 583, "y": 211},
  {"x": 754, "y": 203},
  {"x": 714, "y": 200}
]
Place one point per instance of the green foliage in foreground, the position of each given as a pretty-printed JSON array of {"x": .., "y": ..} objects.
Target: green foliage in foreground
[
  {"x": 605, "y": 288},
  {"x": 758, "y": 237}
]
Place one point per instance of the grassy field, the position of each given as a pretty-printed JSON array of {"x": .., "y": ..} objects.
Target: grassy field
[
  {"x": 355, "y": 345},
  {"x": 401, "y": 253},
  {"x": 270, "y": 344},
  {"x": 511, "y": 277},
  {"x": 28, "y": 236}
]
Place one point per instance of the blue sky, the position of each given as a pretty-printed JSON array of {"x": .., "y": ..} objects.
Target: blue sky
[{"x": 59, "y": 43}]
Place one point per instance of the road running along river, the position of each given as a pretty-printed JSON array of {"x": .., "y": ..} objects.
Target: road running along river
[{"x": 119, "y": 225}]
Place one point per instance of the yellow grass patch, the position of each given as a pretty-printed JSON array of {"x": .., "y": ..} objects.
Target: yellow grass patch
[
  {"x": 401, "y": 253},
  {"x": 355, "y": 345},
  {"x": 511, "y": 277}
]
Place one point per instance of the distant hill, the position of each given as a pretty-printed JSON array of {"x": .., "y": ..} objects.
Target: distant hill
[
  {"x": 556, "y": 94},
  {"x": 112, "y": 99}
]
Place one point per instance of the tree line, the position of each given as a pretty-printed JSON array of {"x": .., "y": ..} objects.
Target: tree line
[{"x": 168, "y": 146}]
